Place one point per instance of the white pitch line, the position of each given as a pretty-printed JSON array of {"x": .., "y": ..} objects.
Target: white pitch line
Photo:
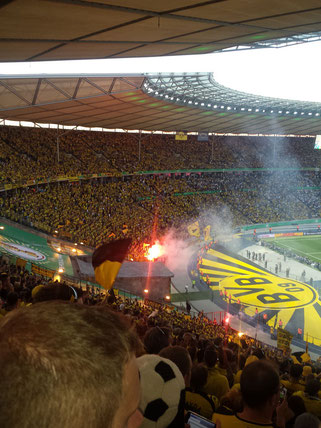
[{"x": 298, "y": 251}]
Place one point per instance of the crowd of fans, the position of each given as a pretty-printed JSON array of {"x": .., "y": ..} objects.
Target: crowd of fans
[
  {"x": 235, "y": 380},
  {"x": 32, "y": 153},
  {"x": 229, "y": 378},
  {"x": 97, "y": 211}
]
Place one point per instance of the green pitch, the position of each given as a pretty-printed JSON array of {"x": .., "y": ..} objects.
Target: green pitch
[
  {"x": 305, "y": 246},
  {"x": 17, "y": 242}
]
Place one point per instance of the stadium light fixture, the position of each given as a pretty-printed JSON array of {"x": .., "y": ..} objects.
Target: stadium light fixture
[
  {"x": 317, "y": 114},
  {"x": 1, "y": 227},
  {"x": 295, "y": 112},
  {"x": 280, "y": 111},
  {"x": 310, "y": 114}
]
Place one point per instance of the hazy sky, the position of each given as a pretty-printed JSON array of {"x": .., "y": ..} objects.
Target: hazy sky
[{"x": 292, "y": 72}]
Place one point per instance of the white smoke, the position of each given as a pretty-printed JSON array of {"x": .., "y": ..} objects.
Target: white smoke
[{"x": 178, "y": 252}]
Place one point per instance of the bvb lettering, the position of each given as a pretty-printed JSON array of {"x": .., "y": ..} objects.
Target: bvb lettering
[{"x": 270, "y": 291}]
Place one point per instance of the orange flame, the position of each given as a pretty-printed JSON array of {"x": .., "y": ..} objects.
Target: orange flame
[{"x": 154, "y": 251}]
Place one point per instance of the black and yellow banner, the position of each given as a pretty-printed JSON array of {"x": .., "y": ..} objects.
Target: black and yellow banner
[
  {"x": 284, "y": 339},
  {"x": 295, "y": 304},
  {"x": 41, "y": 271},
  {"x": 194, "y": 229},
  {"x": 181, "y": 136}
]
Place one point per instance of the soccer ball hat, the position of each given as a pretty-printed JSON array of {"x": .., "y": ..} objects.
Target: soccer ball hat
[{"x": 163, "y": 392}]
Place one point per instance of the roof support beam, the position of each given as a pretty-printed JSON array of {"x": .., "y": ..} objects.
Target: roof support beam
[
  {"x": 36, "y": 92},
  {"x": 13, "y": 91},
  {"x": 76, "y": 89}
]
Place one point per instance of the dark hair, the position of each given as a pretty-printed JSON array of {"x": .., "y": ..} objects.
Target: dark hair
[
  {"x": 312, "y": 387},
  {"x": 12, "y": 298},
  {"x": 296, "y": 370},
  {"x": 307, "y": 420},
  {"x": 198, "y": 377},
  {"x": 258, "y": 353},
  {"x": 54, "y": 292},
  {"x": 156, "y": 338},
  {"x": 71, "y": 358},
  {"x": 210, "y": 357},
  {"x": 259, "y": 382},
  {"x": 179, "y": 356},
  {"x": 296, "y": 404}
]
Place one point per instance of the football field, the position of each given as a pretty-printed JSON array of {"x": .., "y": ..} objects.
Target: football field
[{"x": 305, "y": 246}]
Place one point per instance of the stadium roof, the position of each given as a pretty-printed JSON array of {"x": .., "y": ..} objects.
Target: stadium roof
[
  {"x": 192, "y": 102},
  {"x": 37, "y": 30}
]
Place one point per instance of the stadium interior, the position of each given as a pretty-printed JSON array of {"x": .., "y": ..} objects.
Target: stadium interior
[{"x": 223, "y": 185}]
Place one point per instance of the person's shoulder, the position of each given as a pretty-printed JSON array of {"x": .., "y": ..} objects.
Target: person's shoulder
[
  {"x": 235, "y": 421},
  {"x": 299, "y": 393}
]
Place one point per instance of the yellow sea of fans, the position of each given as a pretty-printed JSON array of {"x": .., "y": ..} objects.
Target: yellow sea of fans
[{"x": 146, "y": 206}]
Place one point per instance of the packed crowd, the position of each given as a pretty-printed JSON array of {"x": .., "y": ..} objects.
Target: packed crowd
[
  {"x": 79, "y": 356},
  {"x": 234, "y": 380},
  {"x": 96, "y": 211},
  {"x": 32, "y": 153}
]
